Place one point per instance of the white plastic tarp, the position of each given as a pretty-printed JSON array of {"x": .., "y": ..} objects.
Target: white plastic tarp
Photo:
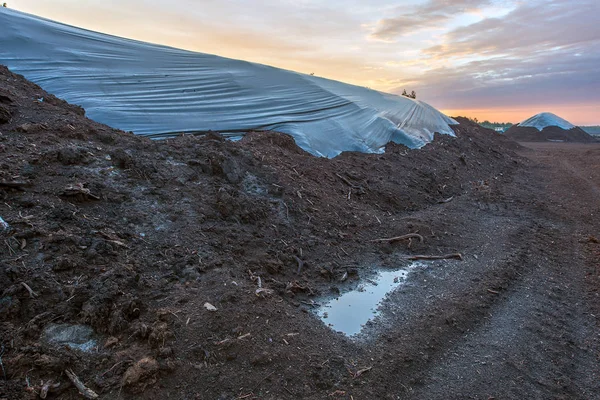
[
  {"x": 157, "y": 91},
  {"x": 546, "y": 119}
]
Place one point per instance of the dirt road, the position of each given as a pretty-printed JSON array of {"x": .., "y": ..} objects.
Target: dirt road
[{"x": 540, "y": 337}]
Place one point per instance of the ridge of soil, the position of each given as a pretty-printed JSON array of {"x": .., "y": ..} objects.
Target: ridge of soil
[
  {"x": 134, "y": 237},
  {"x": 549, "y": 133}
]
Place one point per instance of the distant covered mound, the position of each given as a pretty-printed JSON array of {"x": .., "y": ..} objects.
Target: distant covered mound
[
  {"x": 547, "y": 127},
  {"x": 160, "y": 91},
  {"x": 546, "y": 119}
]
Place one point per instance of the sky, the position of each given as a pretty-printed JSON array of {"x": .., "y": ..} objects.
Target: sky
[{"x": 500, "y": 60}]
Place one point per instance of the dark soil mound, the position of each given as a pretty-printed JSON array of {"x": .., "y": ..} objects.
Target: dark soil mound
[
  {"x": 190, "y": 267},
  {"x": 550, "y": 133},
  {"x": 503, "y": 141}
]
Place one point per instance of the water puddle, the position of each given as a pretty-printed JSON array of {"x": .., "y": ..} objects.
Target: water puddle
[{"x": 349, "y": 312}]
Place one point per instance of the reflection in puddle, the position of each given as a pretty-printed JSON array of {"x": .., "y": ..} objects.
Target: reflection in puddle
[{"x": 349, "y": 312}]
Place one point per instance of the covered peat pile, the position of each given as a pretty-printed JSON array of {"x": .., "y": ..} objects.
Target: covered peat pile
[{"x": 128, "y": 264}]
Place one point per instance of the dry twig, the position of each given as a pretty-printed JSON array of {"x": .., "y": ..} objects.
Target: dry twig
[
  {"x": 448, "y": 200},
  {"x": 344, "y": 277},
  {"x": 261, "y": 291},
  {"x": 85, "y": 391},
  {"x": 398, "y": 238},
  {"x": 300, "y": 264},
  {"x": 78, "y": 190},
  {"x": 32, "y": 294},
  {"x": 361, "y": 371},
  {"x": 114, "y": 366},
  {"x": 457, "y": 256}
]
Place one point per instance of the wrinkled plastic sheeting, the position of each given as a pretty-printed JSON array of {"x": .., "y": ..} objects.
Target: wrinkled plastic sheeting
[
  {"x": 160, "y": 91},
  {"x": 546, "y": 119},
  {"x": 78, "y": 337}
]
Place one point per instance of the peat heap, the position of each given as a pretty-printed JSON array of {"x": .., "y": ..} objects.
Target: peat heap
[
  {"x": 131, "y": 267},
  {"x": 548, "y": 127}
]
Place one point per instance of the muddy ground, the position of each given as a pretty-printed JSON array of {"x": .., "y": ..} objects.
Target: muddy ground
[{"x": 129, "y": 239}]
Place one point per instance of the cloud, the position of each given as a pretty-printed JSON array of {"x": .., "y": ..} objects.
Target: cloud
[
  {"x": 431, "y": 14},
  {"x": 544, "y": 52},
  {"x": 534, "y": 26},
  {"x": 556, "y": 78}
]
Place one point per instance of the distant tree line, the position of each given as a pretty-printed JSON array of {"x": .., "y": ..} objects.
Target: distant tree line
[{"x": 492, "y": 125}]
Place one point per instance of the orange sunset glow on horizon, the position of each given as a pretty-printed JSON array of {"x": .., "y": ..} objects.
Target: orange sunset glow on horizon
[{"x": 480, "y": 59}]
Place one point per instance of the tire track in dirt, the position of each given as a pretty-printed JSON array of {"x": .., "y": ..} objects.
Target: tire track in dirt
[
  {"x": 574, "y": 172},
  {"x": 534, "y": 342},
  {"x": 540, "y": 340},
  {"x": 446, "y": 300}
]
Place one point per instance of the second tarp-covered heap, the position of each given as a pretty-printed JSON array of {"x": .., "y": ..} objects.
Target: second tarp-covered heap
[{"x": 549, "y": 127}]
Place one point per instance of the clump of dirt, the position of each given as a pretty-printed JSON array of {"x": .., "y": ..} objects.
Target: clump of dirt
[
  {"x": 141, "y": 374},
  {"x": 131, "y": 238}
]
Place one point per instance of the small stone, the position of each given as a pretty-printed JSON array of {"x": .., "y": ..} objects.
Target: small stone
[{"x": 210, "y": 307}]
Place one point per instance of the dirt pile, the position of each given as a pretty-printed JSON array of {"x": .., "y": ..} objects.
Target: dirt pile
[
  {"x": 550, "y": 133},
  {"x": 132, "y": 238}
]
